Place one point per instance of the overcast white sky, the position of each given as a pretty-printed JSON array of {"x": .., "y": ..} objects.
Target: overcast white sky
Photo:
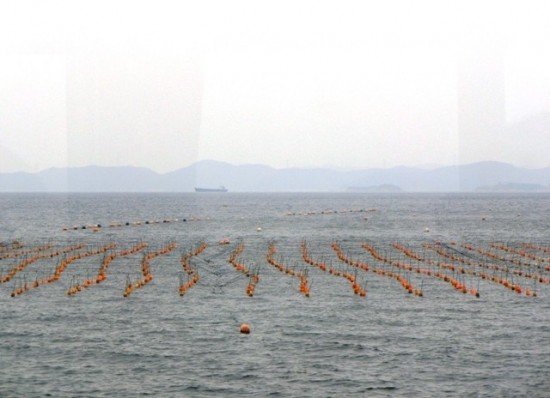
[{"x": 347, "y": 84}]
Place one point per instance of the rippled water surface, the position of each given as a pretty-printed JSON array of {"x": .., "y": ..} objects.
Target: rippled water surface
[{"x": 155, "y": 342}]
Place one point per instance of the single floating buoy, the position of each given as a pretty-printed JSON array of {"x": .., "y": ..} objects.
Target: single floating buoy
[
  {"x": 245, "y": 328},
  {"x": 426, "y": 229},
  {"x": 259, "y": 229}
]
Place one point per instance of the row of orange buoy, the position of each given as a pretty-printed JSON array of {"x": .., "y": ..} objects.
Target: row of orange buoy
[
  {"x": 302, "y": 275},
  {"x": 346, "y": 259},
  {"x": 519, "y": 252},
  {"x": 495, "y": 256},
  {"x": 408, "y": 252},
  {"x": 521, "y": 264},
  {"x": 536, "y": 247},
  {"x": 102, "y": 273},
  {"x": 74, "y": 257},
  {"x": 20, "y": 267},
  {"x": 192, "y": 280},
  {"x": 253, "y": 278},
  {"x": 192, "y": 274},
  {"x": 405, "y": 282},
  {"x": 538, "y": 275},
  {"x": 525, "y": 254},
  {"x": 516, "y": 287},
  {"x": 21, "y": 252},
  {"x": 352, "y": 278},
  {"x": 146, "y": 269},
  {"x": 61, "y": 267},
  {"x": 304, "y": 286},
  {"x": 29, "y": 260},
  {"x": 252, "y": 282},
  {"x": 4, "y": 247},
  {"x": 453, "y": 280},
  {"x": 239, "y": 267},
  {"x": 451, "y": 267},
  {"x": 527, "y": 273}
]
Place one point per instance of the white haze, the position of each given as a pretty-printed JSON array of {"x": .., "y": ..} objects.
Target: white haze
[{"x": 345, "y": 84}]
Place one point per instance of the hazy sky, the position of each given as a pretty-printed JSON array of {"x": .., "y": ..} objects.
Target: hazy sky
[{"x": 347, "y": 84}]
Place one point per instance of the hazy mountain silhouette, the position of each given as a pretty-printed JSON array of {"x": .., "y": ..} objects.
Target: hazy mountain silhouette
[{"x": 261, "y": 178}]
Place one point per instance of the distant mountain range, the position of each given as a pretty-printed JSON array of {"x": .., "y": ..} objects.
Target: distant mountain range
[{"x": 482, "y": 176}]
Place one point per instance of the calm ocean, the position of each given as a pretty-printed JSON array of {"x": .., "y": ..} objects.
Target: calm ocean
[{"x": 334, "y": 343}]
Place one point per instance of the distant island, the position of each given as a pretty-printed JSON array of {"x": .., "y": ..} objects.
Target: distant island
[
  {"x": 475, "y": 177},
  {"x": 514, "y": 187}
]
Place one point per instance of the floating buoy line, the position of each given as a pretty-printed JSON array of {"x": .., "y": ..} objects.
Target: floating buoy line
[
  {"x": 327, "y": 212},
  {"x": 192, "y": 274},
  {"x": 467, "y": 268},
  {"x": 146, "y": 269},
  {"x": 96, "y": 227}
]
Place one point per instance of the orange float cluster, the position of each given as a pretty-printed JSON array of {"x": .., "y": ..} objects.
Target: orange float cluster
[
  {"x": 192, "y": 275},
  {"x": 11, "y": 246},
  {"x": 102, "y": 274},
  {"x": 453, "y": 281},
  {"x": 357, "y": 288},
  {"x": 76, "y": 287},
  {"x": 521, "y": 253},
  {"x": 270, "y": 257},
  {"x": 29, "y": 260},
  {"x": 62, "y": 266},
  {"x": 21, "y": 253},
  {"x": 520, "y": 272},
  {"x": 498, "y": 272},
  {"x": 192, "y": 280},
  {"x": 493, "y": 267},
  {"x": 146, "y": 269},
  {"x": 304, "y": 287},
  {"x": 252, "y": 282},
  {"x": 494, "y": 256},
  {"x": 405, "y": 283},
  {"x": 408, "y": 252},
  {"x": 346, "y": 259},
  {"x": 253, "y": 278},
  {"x": 536, "y": 247},
  {"x": 458, "y": 265},
  {"x": 239, "y": 267},
  {"x": 20, "y": 267}
]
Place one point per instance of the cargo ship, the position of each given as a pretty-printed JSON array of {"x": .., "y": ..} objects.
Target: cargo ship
[{"x": 220, "y": 189}]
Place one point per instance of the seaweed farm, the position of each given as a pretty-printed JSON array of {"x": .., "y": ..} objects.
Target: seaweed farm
[
  {"x": 464, "y": 267},
  {"x": 341, "y": 295}
]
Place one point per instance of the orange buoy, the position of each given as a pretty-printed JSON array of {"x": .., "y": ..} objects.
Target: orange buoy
[{"x": 245, "y": 328}]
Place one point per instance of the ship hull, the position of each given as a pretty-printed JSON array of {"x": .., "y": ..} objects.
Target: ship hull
[{"x": 222, "y": 189}]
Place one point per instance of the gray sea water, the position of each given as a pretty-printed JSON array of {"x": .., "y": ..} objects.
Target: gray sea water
[{"x": 333, "y": 344}]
